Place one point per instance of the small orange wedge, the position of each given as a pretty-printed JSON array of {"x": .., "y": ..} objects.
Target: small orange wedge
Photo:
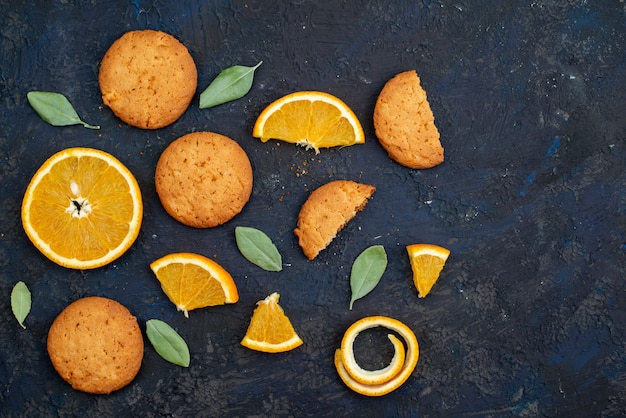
[
  {"x": 427, "y": 262},
  {"x": 312, "y": 119},
  {"x": 270, "y": 329},
  {"x": 192, "y": 281}
]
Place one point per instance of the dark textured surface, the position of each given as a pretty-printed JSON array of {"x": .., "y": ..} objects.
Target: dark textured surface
[{"x": 529, "y": 316}]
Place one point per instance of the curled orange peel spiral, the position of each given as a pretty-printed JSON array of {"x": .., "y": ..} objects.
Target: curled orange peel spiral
[{"x": 383, "y": 381}]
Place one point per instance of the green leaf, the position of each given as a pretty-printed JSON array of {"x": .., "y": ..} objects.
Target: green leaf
[
  {"x": 258, "y": 248},
  {"x": 55, "y": 109},
  {"x": 20, "y": 302},
  {"x": 167, "y": 342},
  {"x": 230, "y": 84},
  {"x": 367, "y": 270}
]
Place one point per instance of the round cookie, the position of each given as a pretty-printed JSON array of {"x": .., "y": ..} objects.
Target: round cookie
[
  {"x": 147, "y": 78},
  {"x": 326, "y": 211},
  {"x": 95, "y": 344},
  {"x": 203, "y": 179},
  {"x": 405, "y": 125}
]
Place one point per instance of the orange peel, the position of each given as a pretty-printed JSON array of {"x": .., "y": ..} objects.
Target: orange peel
[{"x": 383, "y": 381}]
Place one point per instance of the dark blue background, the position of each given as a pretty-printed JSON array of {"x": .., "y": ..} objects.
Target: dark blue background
[{"x": 528, "y": 318}]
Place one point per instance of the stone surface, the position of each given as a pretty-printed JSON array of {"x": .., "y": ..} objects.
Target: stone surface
[{"x": 529, "y": 316}]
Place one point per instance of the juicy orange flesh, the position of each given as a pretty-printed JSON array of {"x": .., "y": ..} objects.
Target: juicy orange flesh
[
  {"x": 270, "y": 325},
  {"x": 103, "y": 229},
  {"x": 270, "y": 330},
  {"x": 190, "y": 287},
  {"x": 426, "y": 270},
  {"x": 294, "y": 122}
]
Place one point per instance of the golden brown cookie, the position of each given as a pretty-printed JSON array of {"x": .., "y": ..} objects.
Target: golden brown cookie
[
  {"x": 95, "y": 344},
  {"x": 405, "y": 125},
  {"x": 203, "y": 179},
  {"x": 326, "y": 211},
  {"x": 148, "y": 78}
]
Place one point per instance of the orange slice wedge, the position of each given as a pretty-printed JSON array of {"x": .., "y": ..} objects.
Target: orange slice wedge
[
  {"x": 383, "y": 381},
  {"x": 427, "y": 262},
  {"x": 311, "y": 119},
  {"x": 192, "y": 281},
  {"x": 270, "y": 329},
  {"x": 82, "y": 209}
]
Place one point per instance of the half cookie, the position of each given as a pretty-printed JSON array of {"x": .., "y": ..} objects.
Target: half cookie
[
  {"x": 327, "y": 210},
  {"x": 405, "y": 125}
]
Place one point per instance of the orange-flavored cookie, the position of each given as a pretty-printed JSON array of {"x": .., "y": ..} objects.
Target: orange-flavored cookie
[
  {"x": 203, "y": 179},
  {"x": 327, "y": 210},
  {"x": 148, "y": 78},
  {"x": 405, "y": 125},
  {"x": 95, "y": 344}
]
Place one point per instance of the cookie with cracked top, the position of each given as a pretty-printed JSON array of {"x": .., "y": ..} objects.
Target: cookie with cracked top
[
  {"x": 148, "y": 78},
  {"x": 203, "y": 179},
  {"x": 96, "y": 345}
]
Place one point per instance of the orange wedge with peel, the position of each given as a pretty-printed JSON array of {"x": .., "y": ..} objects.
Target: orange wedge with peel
[
  {"x": 192, "y": 281},
  {"x": 82, "y": 209},
  {"x": 312, "y": 119},
  {"x": 427, "y": 261},
  {"x": 270, "y": 330}
]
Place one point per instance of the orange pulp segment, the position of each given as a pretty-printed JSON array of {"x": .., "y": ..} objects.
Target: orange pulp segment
[
  {"x": 192, "y": 281},
  {"x": 270, "y": 330},
  {"x": 427, "y": 262},
  {"x": 311, "y": 119}
]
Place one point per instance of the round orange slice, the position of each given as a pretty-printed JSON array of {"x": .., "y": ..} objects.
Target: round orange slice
[
  {"x": 427, "y": 262},
  {"x": 311, "y": 119},
  {"x": 270, "y": 329},
  {"x": 192, "y": 281},
  {"x": 383, "y": 381},
  {"x": 82, "y": 209}
]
